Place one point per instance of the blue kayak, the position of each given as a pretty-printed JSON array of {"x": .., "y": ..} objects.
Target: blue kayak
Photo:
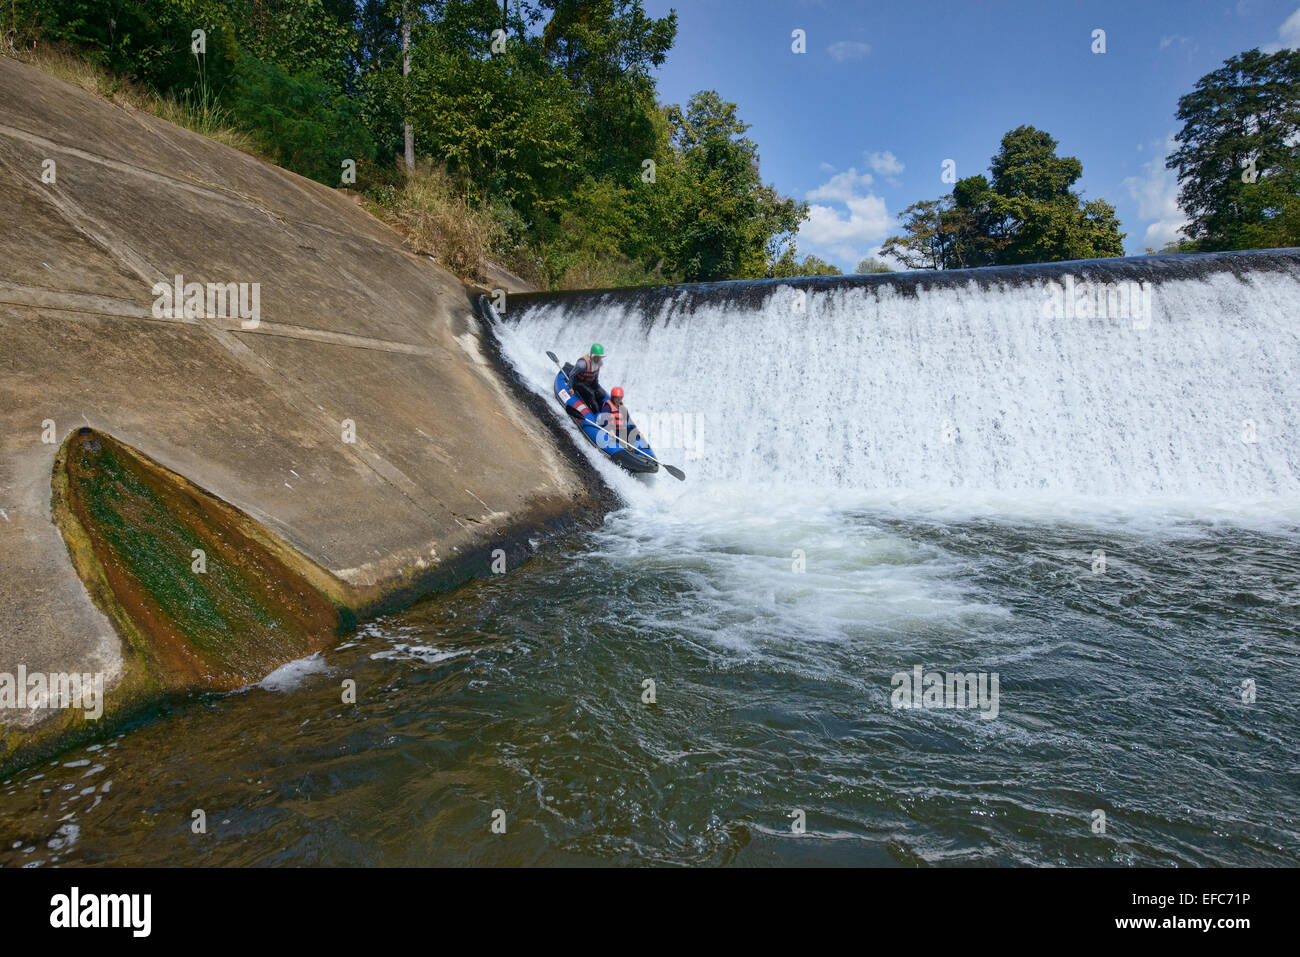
[{"x": 634, "y": 455}]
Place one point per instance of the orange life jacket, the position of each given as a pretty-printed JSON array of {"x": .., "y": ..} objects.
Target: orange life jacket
[
  {"x": 591, "y": 370},
  {"x": 614, "y": 421}
]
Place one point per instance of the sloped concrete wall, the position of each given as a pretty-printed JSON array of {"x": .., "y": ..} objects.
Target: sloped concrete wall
[{"x": 446, "y": 462}]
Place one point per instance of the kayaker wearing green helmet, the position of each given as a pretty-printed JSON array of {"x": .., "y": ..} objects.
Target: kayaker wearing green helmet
[{"x": 585, "y": 378}]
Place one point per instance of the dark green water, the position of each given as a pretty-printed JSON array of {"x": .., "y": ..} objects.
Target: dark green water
[{"x": 1119, "y": 691}]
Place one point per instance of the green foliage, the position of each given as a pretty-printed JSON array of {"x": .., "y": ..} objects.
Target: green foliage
[
  {"x": 872, "y": 264},
  {"x": 301, "y": 36},
  {"x": 605, "y": 50},
  {"x": 788, "y": 265},
  {"x": 728, "y": 222},
  {"x": 305, "y": 125},
  {"x": 925, "y": 243},
  {"x": 510, "y": 130},
  {"x": 1247, "y": 111},
  {"x": 548, "y": 135},
  {"x": 604, "y": 236},
  {"x": 1174, "y": 246},
  {"x": 1026, "y": 214},
  {"x": 1027, "y": 167},
  {"x": 148, "y": 41}
]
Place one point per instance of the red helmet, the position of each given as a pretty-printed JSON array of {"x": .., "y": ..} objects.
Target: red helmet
[{"x": 616, "y": 392}]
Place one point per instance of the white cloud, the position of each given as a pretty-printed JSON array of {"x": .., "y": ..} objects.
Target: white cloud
[
  {"x": 1156, "y": 193},
  {"x": 848, "y": 50},
  {"x": 844, "y": 234},
  {"x": 842, "y": 186},
  {"x": 825, "y": 167},
  {"x": 848, "y": 221},
  {"x": 1185, "y": 42},
  {"x": 1288, "y": 33},
  {"x": 886, "y": 163},
  {"x": 867, "y": 221}
]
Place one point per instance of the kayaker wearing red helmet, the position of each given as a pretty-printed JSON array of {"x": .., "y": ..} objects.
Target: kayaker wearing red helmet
[{"x": 611, "y": 413}]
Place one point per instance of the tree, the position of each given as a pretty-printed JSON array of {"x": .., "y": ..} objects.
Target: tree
[
  {"x": 502, "y": 121},
  {"x": 301, "y": 36},
  {"x": 1238, "y": 159},
  {"x": 925, "y": 243},
  {"x": 788, "y": 265},
  {"x": 302, "y": 121},
  {"x": 1026, "y": 166},
  {"x": 1173, "y": 246},
  {"x": 146, "y": 41},
  {"x": 606, "y": 50},
  {"x": 538, "y": 116},
  {"x": 979, "y": 224},
  {"x": 728, "y": 223},
  {"x": 1027, "y": 213},
  {"x": 1043, "y": 220},
  {"x": 873, "y": 264}
]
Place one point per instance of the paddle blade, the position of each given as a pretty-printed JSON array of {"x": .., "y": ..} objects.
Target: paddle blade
[
  {"x": 551, "y": 356},
  {"x": 675, "y": 472}
]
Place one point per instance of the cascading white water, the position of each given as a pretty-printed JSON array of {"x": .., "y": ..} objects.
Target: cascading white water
[{"x": 1001, "y": 383}]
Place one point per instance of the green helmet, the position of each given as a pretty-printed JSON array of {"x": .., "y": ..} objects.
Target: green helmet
[{"x": 597, "y": 349}]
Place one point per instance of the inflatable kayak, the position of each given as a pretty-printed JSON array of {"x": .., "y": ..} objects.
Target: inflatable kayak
[{"x": 634, "y": 455}]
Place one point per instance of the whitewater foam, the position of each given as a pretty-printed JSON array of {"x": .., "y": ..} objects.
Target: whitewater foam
[{"x": 963, "y": 396}]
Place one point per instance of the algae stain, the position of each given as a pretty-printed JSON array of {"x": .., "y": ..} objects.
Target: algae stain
[{"x": 250, "y": 612}]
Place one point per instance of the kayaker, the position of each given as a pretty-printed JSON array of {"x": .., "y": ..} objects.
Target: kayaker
[
  {"x": 611, "y": 416},
  {"x": 585, "y": 377}
]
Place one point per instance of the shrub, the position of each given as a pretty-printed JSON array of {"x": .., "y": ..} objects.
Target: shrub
[
  {"x": 304, "y": 124},
  {"x": 434, "y": 214}
]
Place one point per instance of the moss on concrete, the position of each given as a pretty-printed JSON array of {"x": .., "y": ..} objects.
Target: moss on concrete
[
  {"x": 131, "y": 527},
  {"x": 214, "y": 607}
]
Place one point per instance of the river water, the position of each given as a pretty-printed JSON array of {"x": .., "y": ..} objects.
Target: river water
[{"x": 710, "y": 677}]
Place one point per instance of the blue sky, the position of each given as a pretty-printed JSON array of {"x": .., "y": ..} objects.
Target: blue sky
[{"x": 861, "y": 123}]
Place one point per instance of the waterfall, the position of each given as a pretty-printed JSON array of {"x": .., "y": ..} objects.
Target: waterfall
[{"x": 1165, "y": 377}]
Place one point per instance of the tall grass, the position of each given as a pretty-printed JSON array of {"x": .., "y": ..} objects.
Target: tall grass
[
  {"x": 438, "y": 219},
  {"x": 196, "y": 110}
]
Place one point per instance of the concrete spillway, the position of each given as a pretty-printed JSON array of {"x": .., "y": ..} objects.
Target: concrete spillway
[{"x": 356, "y": 419}]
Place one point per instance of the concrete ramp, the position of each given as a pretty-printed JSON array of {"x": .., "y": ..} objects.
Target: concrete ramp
[{"x": 359, "y": 418}]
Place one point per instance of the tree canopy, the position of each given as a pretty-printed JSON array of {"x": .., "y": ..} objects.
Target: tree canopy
[
  {"x": 1238, "y": 158},
  {"x": 1027, "y": 212}
]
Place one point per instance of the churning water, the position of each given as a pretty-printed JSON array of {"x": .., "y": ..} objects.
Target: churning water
[{"x": 1100, "y": 507}]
